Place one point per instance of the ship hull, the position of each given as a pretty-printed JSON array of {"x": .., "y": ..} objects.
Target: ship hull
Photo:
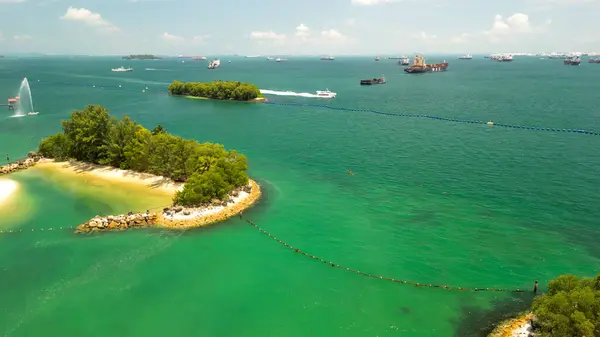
[
  {"x": 430, "y": 68},
  {"x": 372, "y": 82},
  {"x": 594, "y": 61},
  {"x": 572, "y": 63}
]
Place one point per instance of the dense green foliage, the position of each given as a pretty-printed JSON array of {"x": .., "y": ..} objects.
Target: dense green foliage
[
  {"x": 92, "y": 135},
  {"x": 236, "y": 91},
  {"x": 571, "y": 307},
  {"x": 141, "y": 57}
]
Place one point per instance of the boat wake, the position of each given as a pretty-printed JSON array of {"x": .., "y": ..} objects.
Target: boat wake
[{"x": 288, "y": 93}]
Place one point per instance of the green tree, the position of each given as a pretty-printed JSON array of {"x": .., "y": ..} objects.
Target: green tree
[
  {"x": 88, "y": 131},
  {"x": 223, "y": 90},
  {"x": 158, "y": 129},
  {"x": 571, "y": 307},
  {"x": 120, "y": 136},
  {"x": 57, "y": 146}
]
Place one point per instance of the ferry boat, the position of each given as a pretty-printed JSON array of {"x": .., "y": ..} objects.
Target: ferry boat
[
  {"x": 419, "y": 66},
  {"x": 573, "y": 61},
  {"x": 326, "y": 94},
  {"x": 372, "y": 81},
  {"x": 121, "y": 69},
  {"x": 466, "y": 57},
  {"x": 404, "y": 61},
  {"x": 327, "y": 58},
  {"x": 214, "y": 64}
]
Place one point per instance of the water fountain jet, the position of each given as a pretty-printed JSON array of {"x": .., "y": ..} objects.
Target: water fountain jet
[{"x": 25, "y": 99}]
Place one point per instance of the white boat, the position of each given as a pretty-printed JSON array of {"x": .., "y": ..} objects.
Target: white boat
[
  {"x": 404, "y": 61},
  {"x": 281, "y": 60},
  {"x": 326, "y": 94},
  {"x": 214, "y": 64},
  {"x": 327, "y": 58},
  {"x": 466, "y": 57},
  {"x": 270, "y": 58},
  {"x": 121, "y": 69},
  {"x": 32, "y": 113},
  {"x": 377, "y": 58}
]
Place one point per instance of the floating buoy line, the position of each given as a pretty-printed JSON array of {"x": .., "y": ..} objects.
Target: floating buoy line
[{"x": 164, "y": 90}]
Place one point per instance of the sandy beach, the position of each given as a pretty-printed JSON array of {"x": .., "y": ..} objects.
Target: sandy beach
[
  {"x": 7, "y": 188},
  {"x": 238, "y": 200},
  {"x": 113, "y": 174}
]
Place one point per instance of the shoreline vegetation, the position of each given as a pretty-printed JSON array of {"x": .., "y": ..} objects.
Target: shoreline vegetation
[
  {"x": 218, "y": 90},
  {"x": 207, "y": 183},
  {"x": 570, "y": 307},
  {"x": 141, "y": 57}
]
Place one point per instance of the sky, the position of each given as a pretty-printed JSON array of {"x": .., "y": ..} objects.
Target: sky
[{"x": 291, "y": 27}]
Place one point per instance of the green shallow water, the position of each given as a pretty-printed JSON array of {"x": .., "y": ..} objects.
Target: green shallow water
[{"x": 430, "y": 201}]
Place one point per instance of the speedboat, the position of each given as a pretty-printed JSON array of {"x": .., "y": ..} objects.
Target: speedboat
[
  {"x": 32, "y": 113},
  {"x": 121, "y": 69},
  {"x": 326, "y": 94}
]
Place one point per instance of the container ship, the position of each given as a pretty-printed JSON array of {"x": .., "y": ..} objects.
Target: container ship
[
  {"x": 372, "y": 81},
  {"x": 419, "y": 66},
  {"x": 573, "y": 61}
]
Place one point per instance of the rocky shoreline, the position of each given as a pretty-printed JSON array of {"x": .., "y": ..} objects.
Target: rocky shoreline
[
  {"x": 178, "y": 217},
  {"x": 516, "y": 327},
  {"x": 22, "y": 164}
]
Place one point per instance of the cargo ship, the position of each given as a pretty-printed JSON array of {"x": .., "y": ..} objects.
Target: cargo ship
[
  {"x": 419, "y": 66},
  {"x": 372, "y": 81},
  {"x": 404, "y": 61},
  {"x": 573, "y": 61},
  {"x": 594, "y": 60}
]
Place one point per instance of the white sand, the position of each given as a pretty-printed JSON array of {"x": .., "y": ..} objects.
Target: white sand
[
  {"x": 523, "y": 330},
  {"x": 201, "y": 212},
  {"x": 7, "y": 188},
  {"x": 115, "y": 175}
]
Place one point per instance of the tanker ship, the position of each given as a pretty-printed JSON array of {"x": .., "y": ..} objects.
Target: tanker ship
[{"x": 419, "y": 66}]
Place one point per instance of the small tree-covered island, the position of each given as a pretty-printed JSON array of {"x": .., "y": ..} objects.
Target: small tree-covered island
[
  {"x": 212, "y": 183},
  {"x": 219, "y": 90}
]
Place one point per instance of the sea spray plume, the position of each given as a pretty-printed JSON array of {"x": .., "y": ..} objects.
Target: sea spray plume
[{"x": 25, "y": 103}]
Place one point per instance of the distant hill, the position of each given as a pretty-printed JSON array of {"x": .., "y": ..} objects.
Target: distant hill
[{"x": 141, "y": 57}]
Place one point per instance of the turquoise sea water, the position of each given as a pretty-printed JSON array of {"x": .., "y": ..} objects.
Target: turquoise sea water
[{"x": 430, "y": 201}]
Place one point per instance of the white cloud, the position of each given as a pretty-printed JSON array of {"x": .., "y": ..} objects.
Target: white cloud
[
  {"x": 267, "y": 35},
  {"x": 172, "y": 38},
  {"x": 333, "y": 34},
  {"x": 11, "y": 1},
  {"x": 89, "y": 18},
  {"x": 302, "y": 31},
  {"x": 200, "y": 38},
  {"x": 370, "y": 2},
  {"x": 424, "y": 36},
  {"x": 22, "y": 37}
]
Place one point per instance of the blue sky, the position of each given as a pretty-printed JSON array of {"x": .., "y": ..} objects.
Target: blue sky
[{"x": 360, "y": 27}]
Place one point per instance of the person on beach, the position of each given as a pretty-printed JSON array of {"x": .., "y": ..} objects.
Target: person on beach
[
  {"x": 535, "y": 287},
  {"x": 7, "y": 158},
  {"x": 241, "y": 214}
]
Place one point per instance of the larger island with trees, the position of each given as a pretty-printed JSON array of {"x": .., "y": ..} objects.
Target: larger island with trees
[
  {"x": 142, "y": 57},
  {"x": 220, "y": 90},
  {"x": 209, "y": 176}
]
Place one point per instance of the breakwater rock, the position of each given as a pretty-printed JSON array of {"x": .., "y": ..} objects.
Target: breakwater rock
[
  {"x": 118, "y": 222},
  {"x": 179, "y": 217},
  {"x": 21, "y": 164}
]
